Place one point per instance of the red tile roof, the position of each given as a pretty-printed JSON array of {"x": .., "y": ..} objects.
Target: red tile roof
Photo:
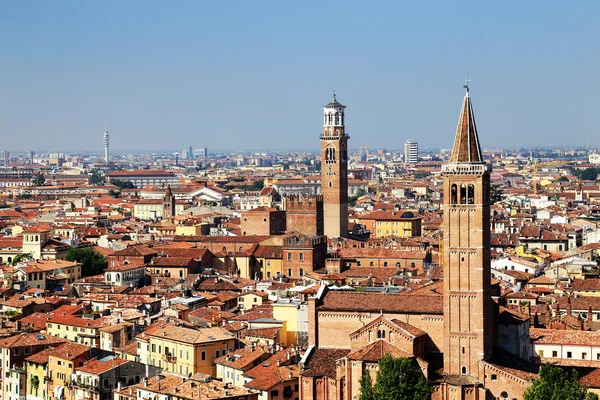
[{"x": 386, "y": 302}]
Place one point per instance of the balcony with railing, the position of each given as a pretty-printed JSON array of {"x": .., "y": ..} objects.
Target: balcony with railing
[{"x": 466, "y": 168}]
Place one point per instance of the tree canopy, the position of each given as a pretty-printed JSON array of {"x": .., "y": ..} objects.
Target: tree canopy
[
  {"x": 122, "y": 184},
  {"x": 20, "y": 257},
  {"x": 38, "y": 179},
  {"x": 97, "y": 178},
  {"x": 353, "y": 199},
  {"x": 92, "y": 263},
  {"x": 555, "y": 383},
  {"x": 397, "y": 379},
  {"x": 586, "y": 174}
]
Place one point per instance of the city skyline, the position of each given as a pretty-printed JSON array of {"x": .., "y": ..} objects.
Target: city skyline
[{"x": 184, "y": 74}]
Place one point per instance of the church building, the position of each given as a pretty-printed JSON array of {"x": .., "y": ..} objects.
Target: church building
[{"x": 448, "y": 328}]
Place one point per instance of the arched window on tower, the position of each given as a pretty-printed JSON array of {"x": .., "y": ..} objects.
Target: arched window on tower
[
  {"x": 471, "y": 194},
  {"x": 330, "y": 155},
  {"x": 380, "y": 334},
  {"x": 453, "y": 195},
  {"x": 337, "y": 118},
  {"x": 463, "y": 194}
]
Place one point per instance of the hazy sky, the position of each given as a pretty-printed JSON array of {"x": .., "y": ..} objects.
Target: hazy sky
[{"x": 254, "y": 74}]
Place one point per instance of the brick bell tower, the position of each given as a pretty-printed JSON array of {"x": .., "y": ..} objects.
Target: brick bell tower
[
  {"x": 334, "y": 170},
  {"x": 468, "y": 313}
]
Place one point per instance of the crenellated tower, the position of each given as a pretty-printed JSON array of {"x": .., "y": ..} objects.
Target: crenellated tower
[
  {"x": 334, "y": 170},
  {"x": 468, "y": 330}
]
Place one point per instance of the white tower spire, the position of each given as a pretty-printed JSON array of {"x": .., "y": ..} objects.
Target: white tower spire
[{"x": 106, "y": 143}]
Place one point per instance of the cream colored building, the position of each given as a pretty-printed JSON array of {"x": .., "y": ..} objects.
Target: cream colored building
[{"x": 183, "y": 350}]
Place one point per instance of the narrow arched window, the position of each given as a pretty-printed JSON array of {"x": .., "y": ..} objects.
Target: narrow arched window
[
  {"x": 471, "y": 194},
  {"x": 289, "y": 256},
  {"x": 464, "y": 370},
  {"x": 454, "y": 195},
  {"x": 463, "y": 194},
  {"x": 301, "y": 256}
]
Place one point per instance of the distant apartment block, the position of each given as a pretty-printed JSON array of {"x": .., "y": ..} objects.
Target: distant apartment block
[
  {"x": 594, "y": 158},
  {"x": 142, "y": 178},
  {"x": 411, "y": 152}
]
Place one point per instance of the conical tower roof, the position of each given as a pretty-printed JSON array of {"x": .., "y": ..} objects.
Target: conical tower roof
[{"x": 466, "y": 144}]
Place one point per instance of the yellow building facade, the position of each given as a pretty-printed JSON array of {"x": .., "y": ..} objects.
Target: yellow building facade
[{"x": 183, "y": 350}]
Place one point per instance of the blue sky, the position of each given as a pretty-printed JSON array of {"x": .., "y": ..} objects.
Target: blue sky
[{"x": 254, "y": 74}]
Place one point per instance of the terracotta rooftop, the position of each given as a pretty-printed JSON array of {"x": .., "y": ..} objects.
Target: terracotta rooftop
[
  {"x": 386, "y": 302},
  {"x": 97, "y": 367},
  {"x": 194, "y": 336},
  {"x": 564, "y": 337},
  {"x": 374, "y": 351},
  {"x": 30, "y": 339},
  {"x": 321, "y": 362},
  {"x": 245, "y": 358}
]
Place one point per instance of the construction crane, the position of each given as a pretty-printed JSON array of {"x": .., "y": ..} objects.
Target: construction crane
[{"x": 546, "y": 164}]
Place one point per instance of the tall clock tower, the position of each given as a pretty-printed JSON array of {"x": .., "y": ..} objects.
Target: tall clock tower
[
  {"x": 334, "y": 170},
  {"x": 468, "y": 313}
]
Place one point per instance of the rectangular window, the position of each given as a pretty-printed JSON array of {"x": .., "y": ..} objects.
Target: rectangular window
[
  {"x": 203, "y": 355},
  {"x": 583, "y": 356},
  {"x": 217, "y": 354},
  {"x": 554, "y": 354},
  {"x": 569, "y": 354}
]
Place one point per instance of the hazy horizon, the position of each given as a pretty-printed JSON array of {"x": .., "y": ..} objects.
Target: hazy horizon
[{"x": 254, "y": 75}]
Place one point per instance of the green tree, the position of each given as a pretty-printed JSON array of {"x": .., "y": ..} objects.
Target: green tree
[
  {"x": 122, "y": 184},
  {"x": 38, "y": 179},
  {"x": 400, "y": 379},
  {"x": 255, "y": 187},
  {"x": 366, "y": 387},
  {"x": 97, "y": 178},
  {"x": 586, "y": 174},
  {"x": 555, "y": 383},
  {"x": 353, "y": 199},
  {"x": 92, "y": 263},
  {"x": 114, "y": 193},
  {"x": 19, "y": 258}
]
